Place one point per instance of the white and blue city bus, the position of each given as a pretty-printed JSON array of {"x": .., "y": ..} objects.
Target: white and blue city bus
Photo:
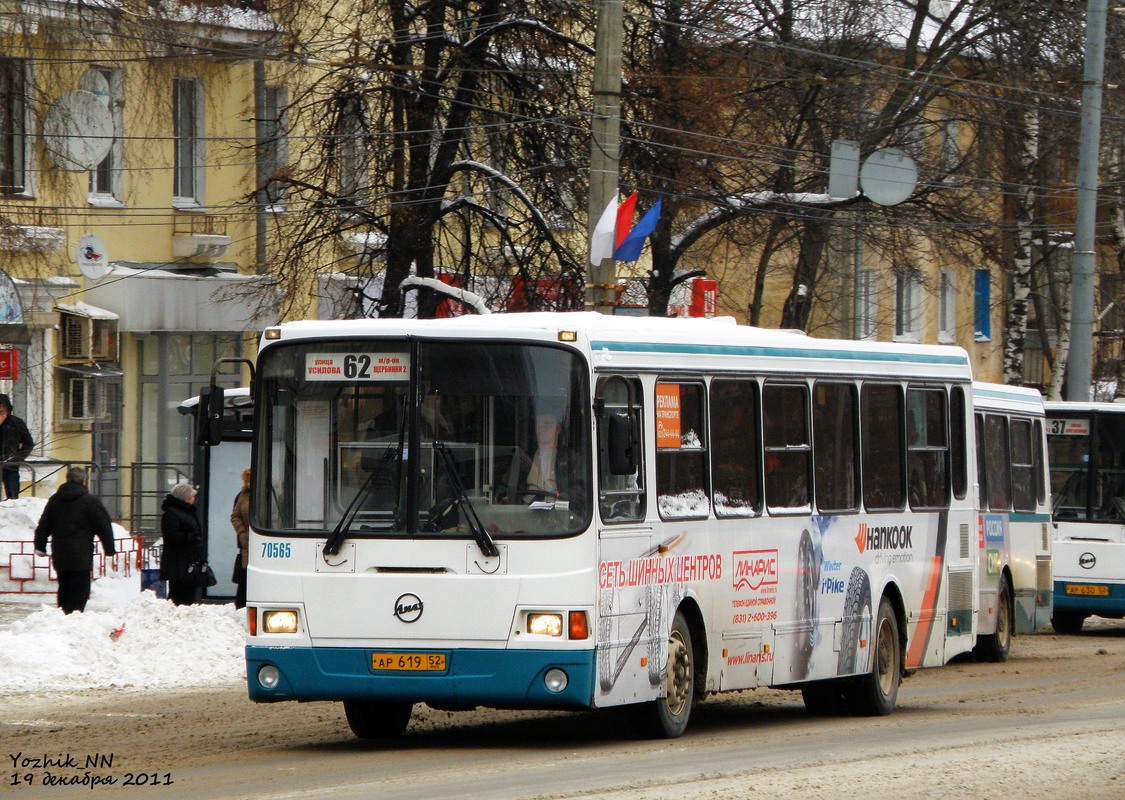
[
  {"x": 1086, "y": 448},
  {"x": 581, "y": 511},
  {"x": 1014, "y": 520}
]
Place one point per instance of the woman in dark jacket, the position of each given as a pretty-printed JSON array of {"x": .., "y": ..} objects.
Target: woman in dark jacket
[{"x": 183, "y": 543}]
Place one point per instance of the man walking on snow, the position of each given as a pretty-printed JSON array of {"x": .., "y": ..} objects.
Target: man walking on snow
[{"x": 71, "y": 519}]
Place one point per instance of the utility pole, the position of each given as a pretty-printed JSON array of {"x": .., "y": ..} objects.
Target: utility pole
[
  {"x": 605, "y": 145},
  {"x": 1084, "y": 262}
]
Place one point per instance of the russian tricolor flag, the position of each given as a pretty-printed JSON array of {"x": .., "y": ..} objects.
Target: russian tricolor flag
[{"x": 612, "y": 236}]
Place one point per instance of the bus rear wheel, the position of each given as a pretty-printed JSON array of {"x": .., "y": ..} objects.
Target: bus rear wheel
[
  {"x": 996, "y": 646},
  {"x": 667, "y": 717},
  {"x": 1067, "y": 622},
  {"x": 874, "y": 694},
  {"x": 377, "y": 720}
]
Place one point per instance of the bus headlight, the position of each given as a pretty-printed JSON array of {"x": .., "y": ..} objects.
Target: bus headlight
[
  {"x": 279, "y": 621},
  {"x": 545, "y": 624}
]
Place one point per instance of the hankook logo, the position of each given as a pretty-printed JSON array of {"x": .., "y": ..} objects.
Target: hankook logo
[
  {"x": 1087, "y": 561},
  {"x": 408, "y": 608}
]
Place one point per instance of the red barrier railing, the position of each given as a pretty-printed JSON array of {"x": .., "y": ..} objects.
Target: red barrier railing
[{"x": 26, "y": 575}]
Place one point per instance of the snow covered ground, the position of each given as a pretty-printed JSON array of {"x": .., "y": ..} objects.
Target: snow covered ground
[{"x": 126, "y": 638}]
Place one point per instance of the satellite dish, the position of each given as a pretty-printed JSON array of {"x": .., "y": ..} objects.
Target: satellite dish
[
  {"x": 95, "y": 82},
  {"x": 888, "y": 176},
  {"x": 93, "y": 260},
  {"x": 78, "y": 131}
]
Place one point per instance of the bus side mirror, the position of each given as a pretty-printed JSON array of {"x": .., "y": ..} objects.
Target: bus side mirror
[
  {"x": 622, "y": 444},
  {"x": 211, "y": 401}
]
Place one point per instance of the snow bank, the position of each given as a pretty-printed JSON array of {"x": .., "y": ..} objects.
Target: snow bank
[{"x": 124, "y": 639}]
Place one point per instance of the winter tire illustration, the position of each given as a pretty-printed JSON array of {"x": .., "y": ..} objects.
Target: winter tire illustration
[
  {"x": 808, "y": 587},
  {"x": 857, "y": 622}
]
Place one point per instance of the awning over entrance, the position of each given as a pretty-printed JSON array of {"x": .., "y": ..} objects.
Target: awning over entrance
[
  {"x": 14, "y": 333},
  {"x": 81, "y": 309},
  {"x": 90, "y": 370},
  {"x": 172, "y": 297}
]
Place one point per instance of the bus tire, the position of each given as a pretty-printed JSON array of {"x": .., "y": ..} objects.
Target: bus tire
[
  {"x": 667, "y": 717},
  {"x": 1067, "y": 621},
  {"x": 825, "y": 698},
  {"x": 857, "y": 620},
  {"x": 377, "y": 720},
  {"x": 995, "y": 647},
  {"x": 874, "y": 694}
]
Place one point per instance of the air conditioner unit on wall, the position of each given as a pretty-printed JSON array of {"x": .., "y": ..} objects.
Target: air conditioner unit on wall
[{"x": 88, "y": 338}]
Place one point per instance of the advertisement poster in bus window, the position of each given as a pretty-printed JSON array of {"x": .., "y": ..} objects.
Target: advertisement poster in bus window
[{"x": 668, "y": 415}]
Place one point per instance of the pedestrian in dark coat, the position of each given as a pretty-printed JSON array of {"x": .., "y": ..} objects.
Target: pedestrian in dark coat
[
  {"x": 183, "y": 543},
  {"x": 240, "y": 521},
  {"x": 15, "y": 445},
  {"x": 71, "y": 519}
]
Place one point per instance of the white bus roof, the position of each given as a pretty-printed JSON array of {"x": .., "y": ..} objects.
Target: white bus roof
[
  {"x": 1001, "y": 397},
  {"x": 1062, "y": 406},
  {"x": 639, "y": 343}
]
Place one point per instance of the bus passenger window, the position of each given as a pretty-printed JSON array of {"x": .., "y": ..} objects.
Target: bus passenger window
[
  {"x": 621, "y": 498},
  {"x": 681, "y": 451},
  {"x": 881, "y": 418},
  {"x": 785, "y": 435},
  {"x": 927, "y": 454},
  {"x": 1023, "y": 470},
  {"x": 997, "y": 479},
  {"x": 835, "y": 418},
  {"x": 959, "y": 466},
  {"x": 735, "y": 452}
]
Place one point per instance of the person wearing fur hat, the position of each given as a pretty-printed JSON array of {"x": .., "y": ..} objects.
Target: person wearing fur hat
[
  {"x": 15, "y": 446},
  {"x": 183, "y": 543}
]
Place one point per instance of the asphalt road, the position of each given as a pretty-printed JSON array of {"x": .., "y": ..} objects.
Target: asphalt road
[{"x": 1047, "y": 724}]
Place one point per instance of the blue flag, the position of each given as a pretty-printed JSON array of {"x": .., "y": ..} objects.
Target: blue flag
[{"x": 630, "y": 249}]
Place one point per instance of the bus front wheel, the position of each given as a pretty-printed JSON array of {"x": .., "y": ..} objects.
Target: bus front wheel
[
  {"x": 1067, "y": 622},
  {"x": 667, "y": 717},
  {"x": 377, "y": 720}
]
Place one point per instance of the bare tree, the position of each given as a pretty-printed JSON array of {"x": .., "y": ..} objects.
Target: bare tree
[{"x": 434, "y": 132}]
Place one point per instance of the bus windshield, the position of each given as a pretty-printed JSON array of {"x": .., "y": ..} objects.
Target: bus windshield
[{"x": 416, "y": 437}]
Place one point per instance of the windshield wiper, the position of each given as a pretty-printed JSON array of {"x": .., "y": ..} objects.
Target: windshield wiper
[
  {"x": 340, "y": 532},
  {"x": 480, "y": 534}
]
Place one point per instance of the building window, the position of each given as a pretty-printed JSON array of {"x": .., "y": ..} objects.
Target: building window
[
  {"x": 947, "y": 308},
  {"x": 187, "y": 105},
  {"x": 982, "y": 306},
  {"x": 908, "y": 306},
  {"x": 950, "y": 146},
  {"x": 868, "y": 306},
  {"x": 351, "y": 151},
  {"x": 105, "y": 178},
  {"x": 274, "y": 145},
  {"x": 13, "y": 126}
]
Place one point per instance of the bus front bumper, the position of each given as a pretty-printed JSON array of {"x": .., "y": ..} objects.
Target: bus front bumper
[{"x": 499, "y": 678}]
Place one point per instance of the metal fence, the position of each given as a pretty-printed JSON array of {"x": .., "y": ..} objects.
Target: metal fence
[{"x": 133, "y": 494}]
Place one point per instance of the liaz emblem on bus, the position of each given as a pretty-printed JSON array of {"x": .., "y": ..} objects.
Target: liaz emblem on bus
[{"x": 357, "y": 366}]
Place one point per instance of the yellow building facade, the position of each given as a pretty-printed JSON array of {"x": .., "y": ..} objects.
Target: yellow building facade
[{"x": 129, "y": 238}]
